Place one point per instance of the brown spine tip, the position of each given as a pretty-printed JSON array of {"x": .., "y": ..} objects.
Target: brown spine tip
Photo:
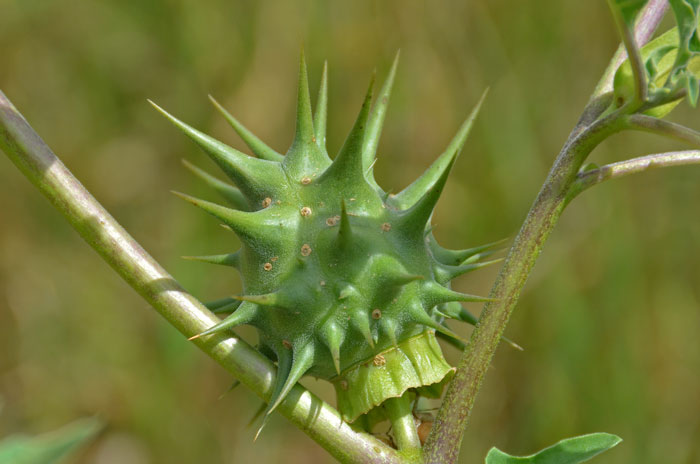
[
  {"x": 266, "y": 202},
  {"x": 305, "y": 211},
  {"x": 376, "y": 314},
  {"x": 379, "y": 360},
  {"x": 306, "y": 180},
  {"x": 287, "y": 344},
  {"x": 386, "y": 227},
  {"x": 267, "y": 266}
]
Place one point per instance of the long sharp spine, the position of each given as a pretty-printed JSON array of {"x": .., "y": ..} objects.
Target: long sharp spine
[
  {"x": 418, "y": 215},
  {"x": 228, "y": 259},
  {"x": 245, "y": 224},
  {"x": 251, "y": 175},
  {"x": 436, "y": 172},
  {"x": 348, "y": 164},
  {"x": 213, "y": 305},
  {"x": 446, "y": 273},
  {"x": 230, "y": 193},
  {"x": 228, "y": 308},
  {"x": 420, "y": 316},
  {"x": 434, "y": 294},
  {"x": 304, "y": 155},
  {"x": 302, "y": 360},
  {"x": 376, "y": 118},
  {"x": 257, "y": 146},
  {"x": 275, "y": 299},
  {"x": 243, "y": 315},
  {"x": 321, "y": 113},
  {"x": 458, "y": 257}
]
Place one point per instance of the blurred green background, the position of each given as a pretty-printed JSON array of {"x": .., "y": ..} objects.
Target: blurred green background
[{"x": 609, "y": 319}]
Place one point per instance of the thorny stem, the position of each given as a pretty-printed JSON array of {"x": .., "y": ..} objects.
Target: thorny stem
[
  {"x": 102, "y": 232},
  {"x": 593, "y": 177},
  {"x": 445, "y": 438}
]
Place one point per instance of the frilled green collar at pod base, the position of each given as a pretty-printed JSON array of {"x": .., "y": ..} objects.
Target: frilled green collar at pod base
[{"x": 342, "y": 280}]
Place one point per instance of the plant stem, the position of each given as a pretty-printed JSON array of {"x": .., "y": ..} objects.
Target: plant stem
[
  {"x": 593, "y": 177},
  {"x": 635, "y": 58},
  {"x": 403, "y": 426},
  {"x": 446, "y": 435},
  {"x": 649, "y": 19},
  {"x": 644, "y": 123},
  {"x": 102, "y": 232}
]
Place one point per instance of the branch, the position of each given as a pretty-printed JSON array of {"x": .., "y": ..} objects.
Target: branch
[
  {"x": 446, "y": 435},
  {"x": 635, "y": 57},
  {"x": 649, "y": 19},
  {"x": 403, "y": 427},
  {"x": 669, "y": 129},
  {"x": 102, "y": 232},
  {"x": 593, "y": 177}
]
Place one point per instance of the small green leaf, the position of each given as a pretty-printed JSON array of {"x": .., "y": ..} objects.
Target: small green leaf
[
  {"x": 686, "y": 13},
  {"x": 568, "y": 451},
  {"x": 50, "y": 447}
]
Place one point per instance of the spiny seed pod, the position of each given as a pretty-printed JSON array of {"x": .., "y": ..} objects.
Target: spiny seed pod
[{"x": 343, "y": 281}]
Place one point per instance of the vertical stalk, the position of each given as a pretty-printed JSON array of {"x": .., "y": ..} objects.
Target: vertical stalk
[
  {"x": 446, "y": 435},
  {"x": 403, "y": 425}
]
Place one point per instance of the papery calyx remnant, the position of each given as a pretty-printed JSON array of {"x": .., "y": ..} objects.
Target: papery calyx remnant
[{"x": 342, "y": 280}]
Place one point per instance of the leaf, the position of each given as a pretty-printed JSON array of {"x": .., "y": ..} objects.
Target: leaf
[
  {"x": 50, "y": 447},
  {"x": 686, "y": 13},
  {"x": 568, "y": 451},
  {"x": 628, "y": 9}
]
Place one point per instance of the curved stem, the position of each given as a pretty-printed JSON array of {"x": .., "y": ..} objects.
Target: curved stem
[
  {"x": 102, "y": 232},
  {"x": 593, "y": 177},
  {"x": 653, "y": 125},
  {"x": 446, "y": 435},
  {"x": 403, "y": 426},
  {"x": 635, "y": 57},
  {"x": 649, "y": 19}
]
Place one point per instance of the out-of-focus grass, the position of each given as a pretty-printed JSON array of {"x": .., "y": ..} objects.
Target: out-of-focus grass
[{"x": 609, "y": 318}]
